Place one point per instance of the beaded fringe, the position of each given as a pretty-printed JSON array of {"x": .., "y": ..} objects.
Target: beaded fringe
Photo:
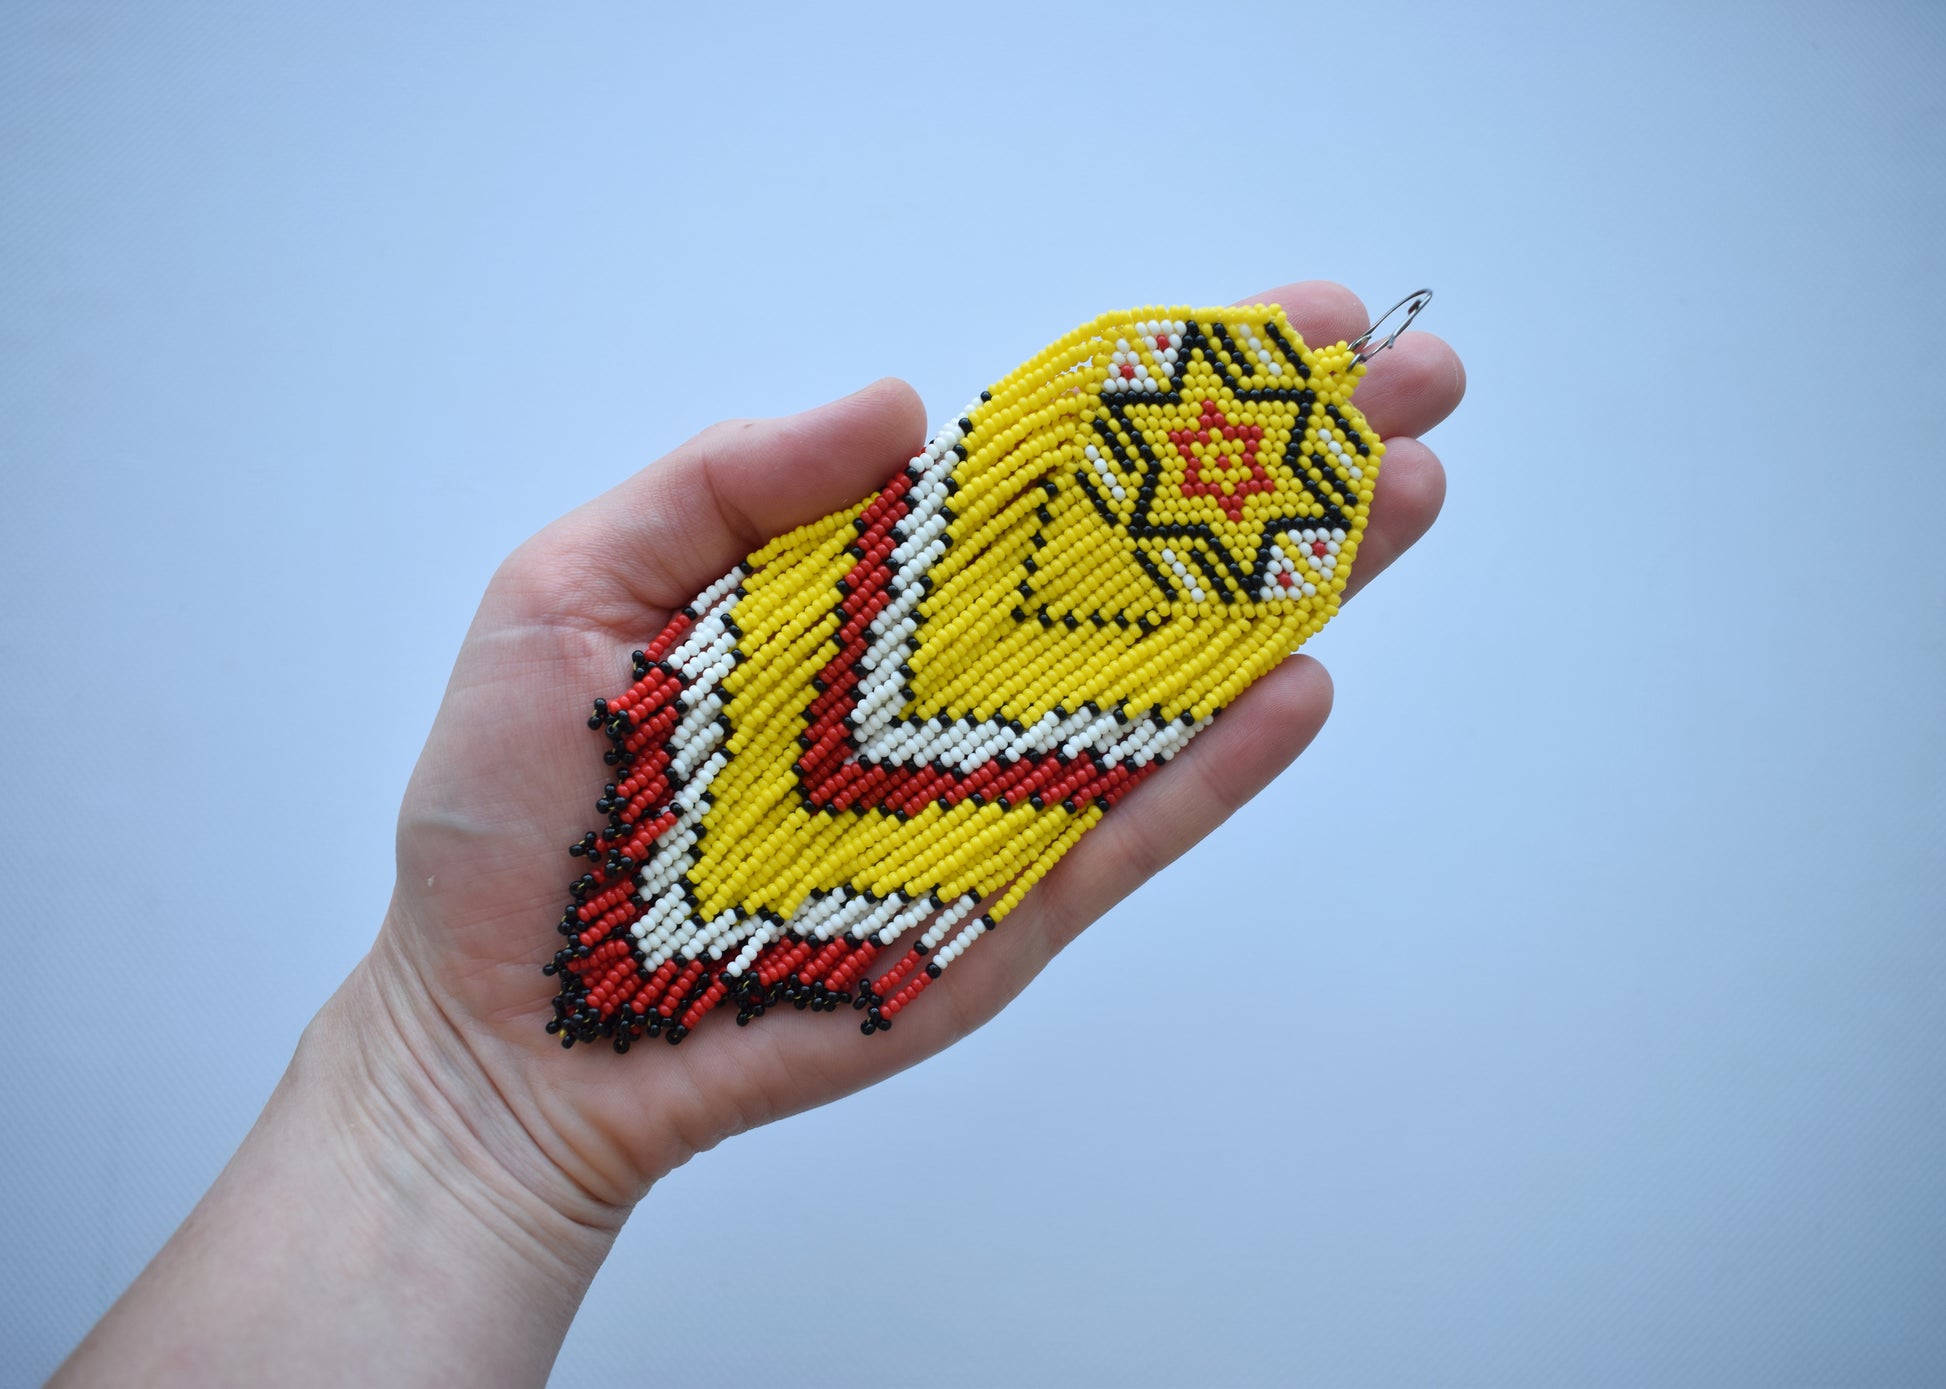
[{"x": 889, "y": 724}]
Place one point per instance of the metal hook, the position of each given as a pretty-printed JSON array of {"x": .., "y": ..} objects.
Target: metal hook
[{"x": 1412, "y": 304}]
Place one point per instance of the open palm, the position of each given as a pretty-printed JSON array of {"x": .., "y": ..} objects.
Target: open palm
[{"x": 507, "y": 779}]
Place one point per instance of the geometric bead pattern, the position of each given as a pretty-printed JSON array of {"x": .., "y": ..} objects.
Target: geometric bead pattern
[{"x": 848, "y": 759}]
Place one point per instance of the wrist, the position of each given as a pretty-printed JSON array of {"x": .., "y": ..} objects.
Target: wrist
[
  {"x": 418, "y": 1120},
  {"x": 373, "y": 1228}
]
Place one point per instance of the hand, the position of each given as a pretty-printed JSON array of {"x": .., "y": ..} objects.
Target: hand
[
  {"x": 509, "y": 771},
  {"x": 433, "y": 1185}
]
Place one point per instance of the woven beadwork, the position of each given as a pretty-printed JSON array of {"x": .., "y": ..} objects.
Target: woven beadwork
[{"x": 889, "y": 724}]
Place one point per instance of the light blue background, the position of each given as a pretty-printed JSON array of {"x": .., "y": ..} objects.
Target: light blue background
[{"x": 1609, "y": 1049}]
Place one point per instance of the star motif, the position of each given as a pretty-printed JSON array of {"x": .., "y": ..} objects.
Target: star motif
[
  {"x": 1212, "y": 448},
  {"x": 1220, "y": 460}
]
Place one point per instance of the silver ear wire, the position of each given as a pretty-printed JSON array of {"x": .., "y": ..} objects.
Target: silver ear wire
[{"x": 1413, "y": 303}]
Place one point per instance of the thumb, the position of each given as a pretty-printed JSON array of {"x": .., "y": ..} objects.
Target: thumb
[{"x": 678, "y": 524}]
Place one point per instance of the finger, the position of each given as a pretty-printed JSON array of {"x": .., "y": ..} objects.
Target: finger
[
  {"x": 1408, "y": 388},
  {"x": 1411, "y": 386},
  {"x": 1257, "y": 737},
  {"x": 681, "y": 522},
  {"x": 1406, "y": 500},
  {"x": 1322, "y": 311}
]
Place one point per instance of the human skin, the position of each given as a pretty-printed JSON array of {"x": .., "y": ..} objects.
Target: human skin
[{"x": 433, "y": 1184}]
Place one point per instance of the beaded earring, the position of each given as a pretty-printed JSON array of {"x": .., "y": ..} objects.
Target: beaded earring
[{"x": 897, "y": 719}]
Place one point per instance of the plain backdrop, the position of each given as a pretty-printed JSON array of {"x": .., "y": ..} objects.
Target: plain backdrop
[{"x": 1608, "y": 1049}]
